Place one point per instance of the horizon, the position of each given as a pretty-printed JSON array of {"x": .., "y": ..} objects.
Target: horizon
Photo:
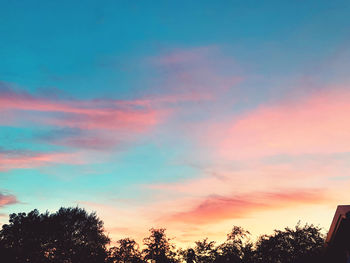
[{"x": 192, "y": 117}]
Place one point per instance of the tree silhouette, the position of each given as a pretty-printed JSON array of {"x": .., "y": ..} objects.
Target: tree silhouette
[
  {"x": 25, "y": 238},
  {"x": 158, "y": 247},
  {"x": 302, "y": 244},
  {"x": 205, "y": 251},
  {"x": 78, "y": 236},
  {"x": 190, "y": 256},
  {"x": 70, "y": 235},
  {"x": 186, "y": 255},
  {"x": 127, "y": 251},
  {"x": 237, "y": 247}
]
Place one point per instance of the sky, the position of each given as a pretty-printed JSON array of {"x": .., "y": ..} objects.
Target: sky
[{"x": 192, "y": 116}]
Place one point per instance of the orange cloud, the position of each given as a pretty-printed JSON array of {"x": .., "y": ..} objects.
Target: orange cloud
[{"x": 217, "y": 208}]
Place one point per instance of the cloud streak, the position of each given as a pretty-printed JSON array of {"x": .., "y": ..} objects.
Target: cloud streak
[
  {"x": 89, "y": 114},
  {"x": 216, "y": 208},
  {"x": 28, "y": 160},
  {"x": 7, "y": 199}
]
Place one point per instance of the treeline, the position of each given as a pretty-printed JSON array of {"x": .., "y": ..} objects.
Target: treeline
[{"x": 72, "y": 235}]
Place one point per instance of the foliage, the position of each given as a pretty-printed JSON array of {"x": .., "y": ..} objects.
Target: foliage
[
  {"x": 237, "y": 247},
  {"x": 158, "y": 247},
  {"x": 24, "y": 239},
  {"x": 127, "y": 251},
  {"x": 205, "y": 251},
  {"x": 190, "y": 255},
  {"x": 301, "y": 244},
  {"x": 70, "y": 235}
]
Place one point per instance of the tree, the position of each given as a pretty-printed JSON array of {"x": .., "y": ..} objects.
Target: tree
[
  {"x": 302, "y": 244},
  {"x": 78, "y": 236},
  {"x": 70, "y": 235},
  {"x": 158, "y": 247},
  {"x": 205, "y": 251},
  {"x": 24, "y": 239},
  {"x": 190, "y": 256},
  {"x": 237, "y": 247},
  {"x": 127, "y": 251},
  {"x": 186, "y": 255}
]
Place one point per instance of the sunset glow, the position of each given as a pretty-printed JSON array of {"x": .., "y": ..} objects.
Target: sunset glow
[{"x": 192, "y": 117}]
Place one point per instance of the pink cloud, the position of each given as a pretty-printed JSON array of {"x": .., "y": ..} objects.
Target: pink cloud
[
  {"x": 9, "y": 161},
  {"x": 93, "y": 114},
  {"x": 316, "y": 124},
  {"x": 134, "y": 121},
  {"x": 116, "y": 115},
  {"x": 6, "y": 199},
  {"x": 222, "y": 179},
  {"x": 87, "y": 142},
  {"x": 258, "y": 187},
  {"x": 104, "y": 120},
  {"x": 201, "y": 70},
  {"x": 213, "y": 209}
]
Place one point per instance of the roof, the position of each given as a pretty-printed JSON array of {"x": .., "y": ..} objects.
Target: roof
[{"x": 339, "y": 217}]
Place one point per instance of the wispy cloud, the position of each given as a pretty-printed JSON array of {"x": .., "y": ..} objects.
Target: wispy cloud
[
  {"x": 90, "y": 114},
  {"x": 27, "y": 159},
  {"x": 79, "y": 139},
  {"x": 295, "y": 145},
  {"x": 203, "y": 71},
  {"x": 315, "y": 124},
  {"x": 96, "y": 123},
  {"x": 215, "y": 208},
  {"x": 7, "y": 199}
]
